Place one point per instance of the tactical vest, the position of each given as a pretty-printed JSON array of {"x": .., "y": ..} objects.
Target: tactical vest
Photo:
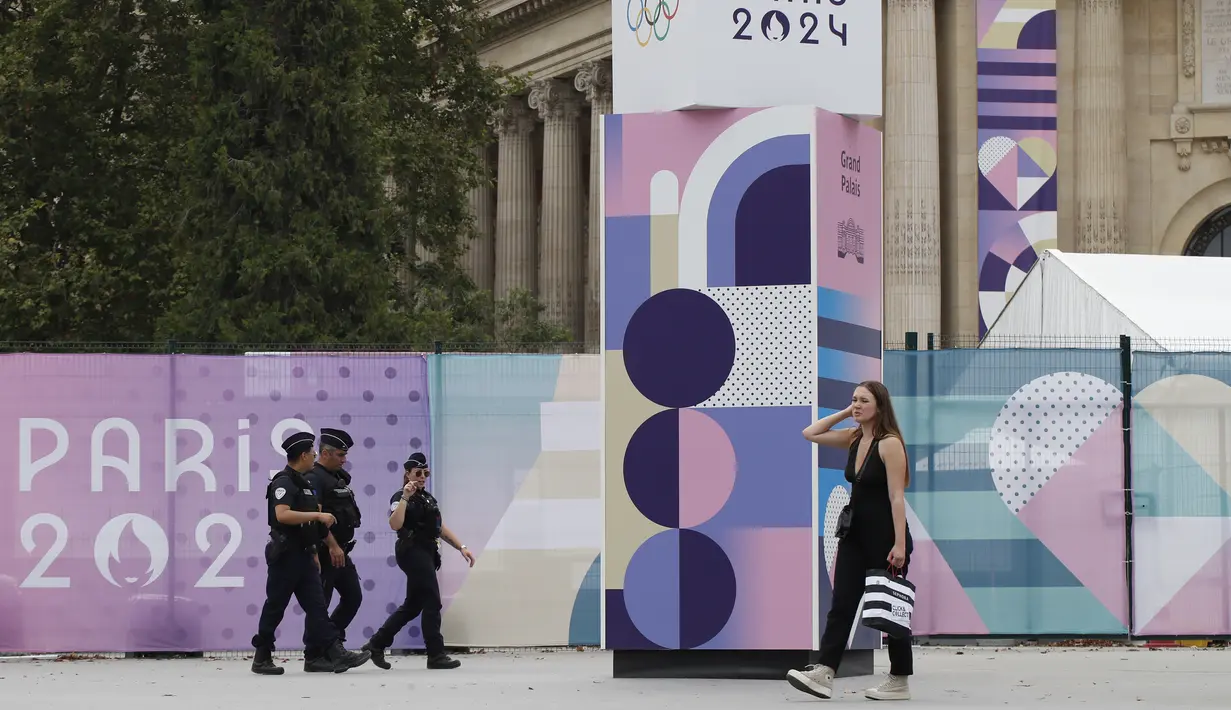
[
  {"x": 423, "y": 521},
  {"x": 337, "y": 498},
  {"x": 300, "y": 498}
]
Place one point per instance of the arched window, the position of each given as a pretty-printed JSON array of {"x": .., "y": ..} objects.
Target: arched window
[{"x": 1213, "y": 237}]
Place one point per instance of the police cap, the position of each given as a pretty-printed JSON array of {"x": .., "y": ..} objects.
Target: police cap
[
  {"x": 299, "y": 442},
  {"x": 416, "y": 460},
  {"x": 336, "y": 438}
]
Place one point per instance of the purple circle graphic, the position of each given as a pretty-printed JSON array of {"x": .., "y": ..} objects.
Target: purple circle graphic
[
  {"x": 275, "y": 395},
  {"x": 390, "y": 608},
  {"x": 253, "y": 419},
  {"x": 391, "y": 420},
  {"x": 368, "y": 632},
  {"x": 252, "y": 513},
  {"x": 252, "y": 609},
  {"x": 390, "y": 373},
  {"x": 205, "y": 418},
  {"x": 297, "y": 372},
  {"x": 228, "y": 395},
  {"x": 228, "y": 442},
  {"x": 297, "y": 610},
  {"x": 391, "y": 561},
  {"x": 391, "y": 466},
  {"x": 228, "y": 490},
  {"x": 369, "y": 537},
  {"x": 343, "y": 372},
  {"x": 415, "y": 396},
  {"x": 415, "y": 632},
  {"x": 368, "y": 396},
  {"x": 652, "y": 469},
  {"x": 369, "y": 443},
  {"x": 227, "y": 634},
  {"x": 679, "y": 348},
  {"x": 204, "y": 371},
  {"x": 679, "y": 589},
  {"x": 369, "y": 490},
  {"x": 369, "y": 585},
  {"x": 416, "y": 442},
  {"x": 345, "y": 419},
  {"x": 322, "y": 395}
]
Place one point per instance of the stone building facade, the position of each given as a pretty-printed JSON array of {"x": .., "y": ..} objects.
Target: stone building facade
[{"x": 1142, "y": 122}]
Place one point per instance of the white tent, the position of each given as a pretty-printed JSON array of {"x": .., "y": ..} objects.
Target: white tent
[{"x": 1089, "y": 300}]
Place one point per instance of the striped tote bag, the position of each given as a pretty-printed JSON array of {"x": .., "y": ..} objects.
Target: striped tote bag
[{"x": 888, "y": 602}]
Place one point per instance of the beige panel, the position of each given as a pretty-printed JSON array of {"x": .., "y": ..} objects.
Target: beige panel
[
  {"x": 517, "y": 598},
  {"x": 664, "y": 252},
  {"x": 626, "y": 527},
  {"x": 563, "y": 474},
  {"x": 579, "y": 379}
]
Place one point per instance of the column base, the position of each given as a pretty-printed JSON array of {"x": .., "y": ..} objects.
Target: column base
[{"x": 730, "y": 665}]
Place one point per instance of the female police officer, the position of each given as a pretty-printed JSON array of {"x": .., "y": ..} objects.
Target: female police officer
[
  {"x": 296, "y": 527},
  {"x": 415, "y": 515}
]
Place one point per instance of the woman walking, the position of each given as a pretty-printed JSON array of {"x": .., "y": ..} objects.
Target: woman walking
[{"x": 873, "y": 534}]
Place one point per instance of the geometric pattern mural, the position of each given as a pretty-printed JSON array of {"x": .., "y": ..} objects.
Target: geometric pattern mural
[
  {"x": 1016, "y": 501},
  {"x": 1017, "y": 145},
  {"x": 1181, "y": 478},
  {"x": 710, "y": 342}
]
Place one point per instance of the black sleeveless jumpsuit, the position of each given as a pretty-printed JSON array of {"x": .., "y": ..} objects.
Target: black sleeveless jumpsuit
[{"x": 865, "y": 547}]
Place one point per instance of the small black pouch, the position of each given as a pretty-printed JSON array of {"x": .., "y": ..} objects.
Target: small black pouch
[{"x": 844, "y": 522}]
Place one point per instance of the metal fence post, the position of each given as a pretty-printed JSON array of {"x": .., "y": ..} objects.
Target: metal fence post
[{"x": 1126, "y": 386}]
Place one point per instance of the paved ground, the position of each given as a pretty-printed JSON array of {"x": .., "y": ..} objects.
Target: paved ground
[{"x": 946, "y": 677}]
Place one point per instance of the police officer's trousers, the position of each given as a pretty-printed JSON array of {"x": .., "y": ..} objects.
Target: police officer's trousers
[
  {"x": 345, "y": 580},
  {"x": 295, "y": 574},
  {"x": 422, "y": 596},
  {"x": 856, "y": 555}
]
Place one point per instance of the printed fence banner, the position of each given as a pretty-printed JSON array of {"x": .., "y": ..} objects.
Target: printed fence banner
[
  {"x": 1016, "y": 500},
  {"x": 134, "y": 496}
]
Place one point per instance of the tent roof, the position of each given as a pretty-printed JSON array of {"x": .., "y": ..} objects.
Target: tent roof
[{"x": 1168, "y": 297}]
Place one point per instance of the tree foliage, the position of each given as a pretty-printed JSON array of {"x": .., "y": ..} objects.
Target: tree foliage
[{"x": 244, "y": 170}]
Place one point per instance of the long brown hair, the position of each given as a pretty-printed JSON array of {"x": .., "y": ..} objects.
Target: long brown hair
[{"x": 886, "y": 423}]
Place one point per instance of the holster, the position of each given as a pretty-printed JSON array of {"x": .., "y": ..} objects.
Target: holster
[
  {"x": 277, "y": 546},
  {"x": 348, "y": 547}
]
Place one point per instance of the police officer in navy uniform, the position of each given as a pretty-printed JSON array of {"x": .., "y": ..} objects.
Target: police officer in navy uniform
[
  {"x": 332, "y": 485},
  {"x": 296, "y": 527},
  {"x": 415, "y": 515}
]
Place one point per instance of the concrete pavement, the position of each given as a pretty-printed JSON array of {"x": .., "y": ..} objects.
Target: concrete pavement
[{"x": 522, "y": 680}]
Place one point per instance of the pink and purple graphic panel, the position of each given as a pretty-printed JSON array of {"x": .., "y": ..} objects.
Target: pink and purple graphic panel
[
  {"x": 135, "y": 505},
  {"x": 848, "y": 309},
  {"x": 708, "y": 260},
  {"x": 1017, "y": 145}
]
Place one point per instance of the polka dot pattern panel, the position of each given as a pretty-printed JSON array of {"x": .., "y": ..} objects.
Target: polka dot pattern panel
[
  {"x": 775, "y": 346},
  {"x": 1041, "y": 426}
]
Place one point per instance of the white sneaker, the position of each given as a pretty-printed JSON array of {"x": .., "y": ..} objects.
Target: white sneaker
[
  {"x": 895, "y": 687},
  {"x": 813, "y": 680}
]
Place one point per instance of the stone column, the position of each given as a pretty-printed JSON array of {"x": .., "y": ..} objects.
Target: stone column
[
  {"x": 594, "y": 80},
  {"x": 516, "y": 253},
  {"x": 1102, "y": 151},
  {"x": 911, "y": 172},
  {"x": 480, "y": 258},
  {"x": 560, "y": 273}
]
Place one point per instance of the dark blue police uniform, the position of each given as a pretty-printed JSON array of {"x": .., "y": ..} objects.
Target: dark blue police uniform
[
  {"x": 417, "y": 552},
  {"x": 291, "y": 558},
  {"x": 336, "y": 497}
]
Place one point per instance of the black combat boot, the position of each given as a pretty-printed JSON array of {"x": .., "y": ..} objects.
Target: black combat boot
[
  {"x": 442, "y": 662},
  {"x": 263, "y": 663},
  {"x": 344, "y": 660},
  {"x": 317, "y": 661},
  {"x": 378, "y": 655}
]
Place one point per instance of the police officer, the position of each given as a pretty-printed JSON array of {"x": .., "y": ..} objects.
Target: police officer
[
  {"x": 296, "y": 527},
  {"x": 332, "y": 484},
  {"x": 415, "y": 515}
]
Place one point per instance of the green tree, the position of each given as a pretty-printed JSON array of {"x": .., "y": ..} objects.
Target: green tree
[
  {"x": 332, "y": 137},
  {"x": 90, "y": 113}
]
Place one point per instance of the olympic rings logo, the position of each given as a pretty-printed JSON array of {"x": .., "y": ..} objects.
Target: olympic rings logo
[{"x": 655, "y": 22}]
